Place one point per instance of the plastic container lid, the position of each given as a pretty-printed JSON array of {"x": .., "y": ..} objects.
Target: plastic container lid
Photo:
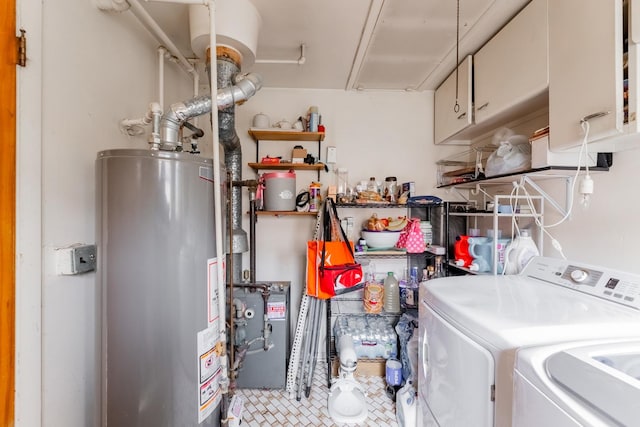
[{"x": 270, "y": 175}]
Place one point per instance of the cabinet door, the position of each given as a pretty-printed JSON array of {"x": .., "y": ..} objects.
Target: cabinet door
[
  {"x": 447, "y": 121},
  {"x": 511, "y": 68},
  {"x": 585, "y": 70}
]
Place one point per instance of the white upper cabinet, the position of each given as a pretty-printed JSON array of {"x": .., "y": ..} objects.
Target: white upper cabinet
[
  {"x": 511, "y": 69},
  {"x": 588, "y": 72},
  {"x": 447, "y": 121}
]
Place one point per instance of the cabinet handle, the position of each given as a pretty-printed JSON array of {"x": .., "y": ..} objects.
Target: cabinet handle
[
  {"x": 483, "y": 106},
  {"x": 462, "y": 115},
  {"x": 594, "y": 116}
]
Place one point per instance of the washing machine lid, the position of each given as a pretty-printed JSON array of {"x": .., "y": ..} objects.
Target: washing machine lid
[
  {"x": 552, "y": 300},
  {"x": 595, "y": 382}
]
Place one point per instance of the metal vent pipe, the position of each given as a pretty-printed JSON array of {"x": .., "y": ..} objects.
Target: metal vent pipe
[
  {"x": 228, "y": 66},
  {"x": 228, "y": 69},
  {"x": 180, "y": 112}
]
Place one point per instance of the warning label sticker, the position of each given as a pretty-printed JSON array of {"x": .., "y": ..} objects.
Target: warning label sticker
[
  {"x": 209, "y": 372},
  {"x": 277, "y": 310}
]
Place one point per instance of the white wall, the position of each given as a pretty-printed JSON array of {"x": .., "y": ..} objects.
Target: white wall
[
  {"x": 607, "y": 232},
  {"x": 376, "y": 134},
  {"x": 97, "y": 68}
]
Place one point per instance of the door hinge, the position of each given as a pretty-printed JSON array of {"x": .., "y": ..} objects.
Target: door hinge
[
  {"x": 493, "y": 392},
  {"x": 21, "y": 42}
]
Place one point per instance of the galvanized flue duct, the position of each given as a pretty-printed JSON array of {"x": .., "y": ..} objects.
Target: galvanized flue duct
[
  {"x": 228, "y": 67},
  {"x": 232, "y": 90},
  {"x": 227, "y": 97}
]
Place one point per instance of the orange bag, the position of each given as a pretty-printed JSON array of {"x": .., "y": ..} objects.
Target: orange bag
[
  {"x": 331, "y": 265},
  {"x": 338, "y": 272}
]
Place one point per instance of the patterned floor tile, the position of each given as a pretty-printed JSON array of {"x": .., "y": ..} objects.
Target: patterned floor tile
[{"x": 274, "y": 408}]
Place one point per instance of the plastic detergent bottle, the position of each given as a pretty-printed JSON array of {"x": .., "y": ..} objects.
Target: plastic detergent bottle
[
  {"x": 461, "y": 251},
  {"x": 391, "y": 294},
  {"x": 518, "y": 253}
]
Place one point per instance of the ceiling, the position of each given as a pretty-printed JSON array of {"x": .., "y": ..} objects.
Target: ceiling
[{"x": 358, "y": 44}]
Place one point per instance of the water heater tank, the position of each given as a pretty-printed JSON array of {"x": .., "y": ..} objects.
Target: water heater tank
[{"x": 155, "y": 235}]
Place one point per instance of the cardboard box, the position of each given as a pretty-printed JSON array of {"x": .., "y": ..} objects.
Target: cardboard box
[
  {"x": 542, "y": 156},
  {"x": 298, "y": 155},
  {"x": 365, "y": 367},
  {"x": 409, "y": 187}
]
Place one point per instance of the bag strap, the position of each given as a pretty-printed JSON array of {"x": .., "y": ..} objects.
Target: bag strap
[{"x": 330, "y": 212}]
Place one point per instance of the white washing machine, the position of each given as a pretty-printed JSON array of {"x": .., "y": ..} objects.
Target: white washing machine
[
  {"x": 593, "y": 384},
  {"x": 472, "y": 326}
]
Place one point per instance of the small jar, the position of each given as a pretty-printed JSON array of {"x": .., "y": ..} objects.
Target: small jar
[
  {"x": 390, "y": 189},
  {"x": 372, "y": 185},
  {"x": 343, "y": 181},
  {"x": 314, "y": 196}
]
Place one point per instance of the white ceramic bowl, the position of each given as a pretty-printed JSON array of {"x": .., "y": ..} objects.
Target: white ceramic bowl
[{"x": 381, "y": 239}]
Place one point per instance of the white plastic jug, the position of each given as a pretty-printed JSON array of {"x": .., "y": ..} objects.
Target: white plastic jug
[
  {"x": 480, "y": 249},
  {"x": 518, "y": 253}
]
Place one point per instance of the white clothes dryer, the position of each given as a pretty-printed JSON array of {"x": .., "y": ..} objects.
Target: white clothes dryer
[{"x": 472, "y": 326}]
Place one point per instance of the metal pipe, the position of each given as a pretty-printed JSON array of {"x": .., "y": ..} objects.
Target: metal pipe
[
  {"x": 252, "y": 234},
  {"x": 232, "y": 340},
  {"x": 252, "y": 185},
  {"x": 228, "y": 67},
  {"x": 155, "y": 29},
  {"x": 180, "y": 112},
  {"x": 162, "y": 51},
  {"x": 133, "y": 127},
  {"x": 300, "y": 61},
  {"x": 266, "y": 326}
]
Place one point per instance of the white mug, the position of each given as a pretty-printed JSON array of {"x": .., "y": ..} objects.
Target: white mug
[{"x": 284, "y": 124}]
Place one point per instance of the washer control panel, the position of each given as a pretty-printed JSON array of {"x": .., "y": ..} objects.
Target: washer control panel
[{"x": 609, "y": 284}]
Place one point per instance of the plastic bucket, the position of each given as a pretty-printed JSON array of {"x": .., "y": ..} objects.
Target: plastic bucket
[
  {"x": 393, "y": 372},
  {"x": 279, "y": 191}
]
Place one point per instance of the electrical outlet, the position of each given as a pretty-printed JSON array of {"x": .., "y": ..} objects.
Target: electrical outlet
[
  {"x": 332, "y": 155},
  {"x": 75, "y": 259}
]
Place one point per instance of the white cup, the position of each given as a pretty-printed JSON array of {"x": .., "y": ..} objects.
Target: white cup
[
  {"x": 298, "y": 125},
  {"x": 284, "y": 124}
]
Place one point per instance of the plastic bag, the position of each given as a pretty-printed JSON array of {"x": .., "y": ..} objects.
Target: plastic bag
[
  {"x": 405, "y": 328},
  {"x": 513, "y": 153}
]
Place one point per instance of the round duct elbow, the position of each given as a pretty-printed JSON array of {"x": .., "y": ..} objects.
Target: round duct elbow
[{"x": 237, "y": 26}]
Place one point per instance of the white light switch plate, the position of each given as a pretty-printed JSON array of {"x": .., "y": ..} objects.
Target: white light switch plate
[{"x": 332, "y": 155}]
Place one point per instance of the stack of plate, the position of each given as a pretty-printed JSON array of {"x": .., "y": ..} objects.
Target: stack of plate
[{"x": 427, "y": 232}]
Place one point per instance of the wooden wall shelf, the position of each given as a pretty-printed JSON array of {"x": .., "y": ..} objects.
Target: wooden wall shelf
[
  {"x": 285, "y": 213},
  {"x": 283, "y": 135},
  {"x": 286, "y": 166}
]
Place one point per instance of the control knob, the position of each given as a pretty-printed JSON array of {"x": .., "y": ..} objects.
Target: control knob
[{"x": 579, "y": 275}]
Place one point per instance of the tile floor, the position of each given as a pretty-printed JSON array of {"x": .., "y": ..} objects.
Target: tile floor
[{"x": 274, "y": 408}]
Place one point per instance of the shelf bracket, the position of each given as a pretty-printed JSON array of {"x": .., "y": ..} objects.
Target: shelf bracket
[
  {"x": 464, "y": 197},
  {"x": 568, "y": 184}
]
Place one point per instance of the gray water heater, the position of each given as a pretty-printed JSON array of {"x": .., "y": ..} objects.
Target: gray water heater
[{"x": 155, "y": 235}]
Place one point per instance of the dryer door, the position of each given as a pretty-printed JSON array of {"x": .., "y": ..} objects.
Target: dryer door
[{"x": 456, "y": 374}]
